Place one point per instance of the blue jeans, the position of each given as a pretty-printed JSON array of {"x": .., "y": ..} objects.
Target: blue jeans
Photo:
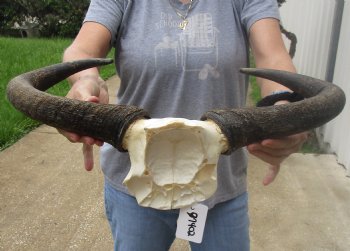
[{"x": 136, "y": 228}]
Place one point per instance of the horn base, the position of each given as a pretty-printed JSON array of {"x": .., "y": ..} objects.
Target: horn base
[
  {"x": 107, "y": 123},
  {"x": 323, "y": 102}
]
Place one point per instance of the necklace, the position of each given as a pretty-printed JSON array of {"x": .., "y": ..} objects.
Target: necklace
[{"x": 184, "y": 21}]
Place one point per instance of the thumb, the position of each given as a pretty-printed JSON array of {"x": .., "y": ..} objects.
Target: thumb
[
  {"x": 88, "y": 157},
  {"x": 271, "y": 174},
  {"x": 93, "y": 99}
]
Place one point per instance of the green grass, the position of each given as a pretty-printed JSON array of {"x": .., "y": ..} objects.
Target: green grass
[
  {"x": 21, "y": 55},
  {"x": 255, "y": 95}
]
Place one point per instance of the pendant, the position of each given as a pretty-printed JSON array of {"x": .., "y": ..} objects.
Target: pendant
[{"x": 183, "y": 24}]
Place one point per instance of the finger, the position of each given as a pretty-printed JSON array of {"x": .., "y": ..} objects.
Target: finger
[
  {"x": 88, "y": 157},
  {"x": 292, "y": 141},
  {"x": 91, "y": 141},
  {"x": 99, "y": 142},
  {"x": 260, "y": 149},
  {"x": 93, "y": 99},
  {"x": 103, "y": 99},
  {"x": 280, "y": 143},
  {"x": 275, "y": 153},
  {"x": 75, "y": 138},
  {"x": 275, "y": 148},
  {"x": 271, "y": 174},
  {"x": 87, "y": 140},
  {"x": 268, "y": 158},
  {"x": 72, "y": 137}
]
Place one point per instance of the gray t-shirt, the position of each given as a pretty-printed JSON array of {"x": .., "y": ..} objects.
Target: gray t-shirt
[{"x": 181, "y": 73}]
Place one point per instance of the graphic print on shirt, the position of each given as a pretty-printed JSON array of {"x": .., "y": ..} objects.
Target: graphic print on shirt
[{"x": 195, "y": 49}]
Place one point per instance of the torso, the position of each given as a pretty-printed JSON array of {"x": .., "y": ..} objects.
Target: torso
[{"x": 182, "y": 73}]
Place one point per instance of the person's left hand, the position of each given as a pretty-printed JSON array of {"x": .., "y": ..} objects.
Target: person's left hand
[{"x": 274, "y": 151}]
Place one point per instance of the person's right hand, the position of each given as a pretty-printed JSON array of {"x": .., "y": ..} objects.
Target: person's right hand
[{"x": 93, "y": 89}]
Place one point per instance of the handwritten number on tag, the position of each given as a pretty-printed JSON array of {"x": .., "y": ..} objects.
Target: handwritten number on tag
[
  {"x": 191, "y": 223},
  {"x": 192, "y": 226}
]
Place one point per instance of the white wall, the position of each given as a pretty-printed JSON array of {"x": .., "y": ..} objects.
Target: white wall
[
  {"x": 337, "y": 132},
  {"x": 311, "y": 21}
]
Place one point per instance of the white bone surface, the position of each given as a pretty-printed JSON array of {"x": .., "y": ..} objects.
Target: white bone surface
[{"x": 173, "y": 161}]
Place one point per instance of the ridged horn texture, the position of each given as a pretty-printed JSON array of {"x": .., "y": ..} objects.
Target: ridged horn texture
[
  {"x": 101, "y": 121},
  {"x": 323, "y": 101}
]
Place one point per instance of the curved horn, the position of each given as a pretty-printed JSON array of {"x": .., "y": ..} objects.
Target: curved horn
[
  {"x": 323, "y": 101},
  {"x": 101, "y": 121}
]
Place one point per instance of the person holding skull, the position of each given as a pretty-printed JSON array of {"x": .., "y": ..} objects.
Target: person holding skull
[{"x": 180, "y": 58}]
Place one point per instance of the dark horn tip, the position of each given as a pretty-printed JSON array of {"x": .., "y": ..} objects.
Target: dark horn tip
[
  {"x": 90, "y": 62},
  {"x": 245, "y": 70},
  {"x": 250, "y": 71},
  {"x": 106, "y": 60},
  {"x": 100, "y": 61}
]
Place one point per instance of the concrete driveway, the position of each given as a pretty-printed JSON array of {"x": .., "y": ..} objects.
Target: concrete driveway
[{"x": 49, "y": 202}]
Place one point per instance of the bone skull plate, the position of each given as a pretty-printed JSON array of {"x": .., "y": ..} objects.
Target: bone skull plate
[{"x": 173, "y": 161}]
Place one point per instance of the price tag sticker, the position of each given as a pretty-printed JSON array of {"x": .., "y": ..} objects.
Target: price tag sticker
[{"x": 191, "y": 223}]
